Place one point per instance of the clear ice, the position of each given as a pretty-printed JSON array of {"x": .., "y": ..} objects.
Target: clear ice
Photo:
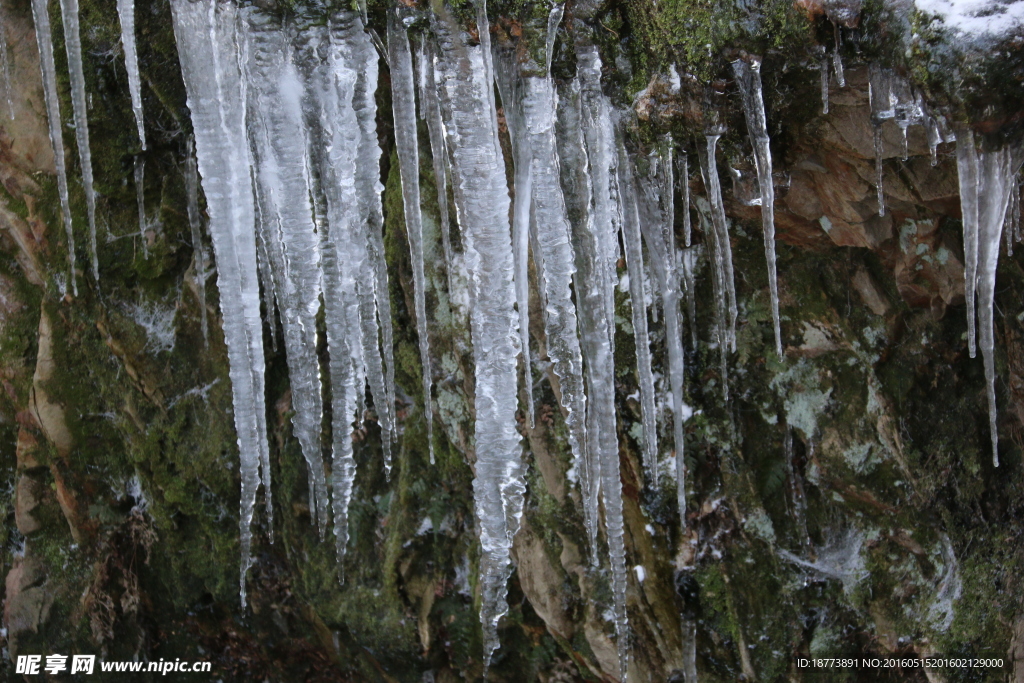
[
  {"x": 126, "y": 12},
  {"x": 73, "y": 46},
  {"x": 205, "y": 32},
  {"x": 748, "y": 76},
  {"x": 403, "y": 99},
  {"x": 465, "y": 81},
  {"x": 44, "y": 38}
]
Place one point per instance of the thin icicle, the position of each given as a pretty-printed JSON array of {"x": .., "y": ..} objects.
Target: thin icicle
[
  {"x": 968, "y": 170},
  {"x": 554, "y": 20},
  {"x": 824, "y": 68},
  {"x": 722, "y": 245},
  {"x": 991, "y": 196},
  {"x": 934, "y": 139},
  {"x": 195, "y": 223},
  {"x": 631, "y": 240},
  {"x": 5, "y": 62},
  {"x": 605, "y": 218},
  {"x": 48, "y": 69},
  {"x": 837, "y": 57},
  {"x": 431, "y": 111},
  {"x": 684, "y": 188},
  {"x": 205, "y": 32},
  {"x": 276, "y": 132},
  {"x": 481, "y": 197},
  {"x": 270, "y": 299},
  {"x": 140, "y": 200},
  {"x": 530, "y": 113},
  {"x": 883, "y": 107},
  {"x": 73, "y": 46},
  {"x": 126, "y": 12},
  {"x": 591, "y": 286},
  {"x": 403, "y": 99},
  {"x": 657, "y": 224},
  {"x": 748, "y": 74},
  {"x": 521, "y": 207}
]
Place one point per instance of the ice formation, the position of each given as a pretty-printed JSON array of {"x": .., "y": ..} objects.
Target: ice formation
[
  {"x": 748, "y": 76},
  {"x": 658, "y": 219},
  {"x": 294, "y": 100},
  {"x": 478, "y": 173},
  {"x": 44, "y": 37},
  {"x": 205, "y": 32},
  {"x": 987, "y": 181},
  {"x": 73, "y": 47},
  {"x": 126, "y": 12},
  {"x": 139, "y": 175},
  {"x": 403, "y": 102}
]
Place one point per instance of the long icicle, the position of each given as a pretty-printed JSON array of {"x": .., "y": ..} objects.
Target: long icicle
[
  {"x": 723, "y": 247},
  {"x": 376, "y": 302},
  {"x": 126, "y": 12},
  {"x": 478, "y": 172},
  {"x": 748, "y": 75},
  {"x": 511, "y": 93},
  {"x": 657, "y": 224},
  {"x": 431, "y": 111},
  {"x": 48, "y": 69},
  {"x": 403, "y": 99},
  {"x": 996, "y": 170},
  {"x": 73, "y": 46},
  {"x": 205, "y": 32},
  {"x": 591, "y": 284},
  {"x": 276, "y": 131},
  {"x": 530, "y": 112},
  {"x": 968, "y": 172},
  {"x": 631, "y": 240}
]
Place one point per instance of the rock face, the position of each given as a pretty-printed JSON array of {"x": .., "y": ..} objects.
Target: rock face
[{"x": 843, "y": 501}]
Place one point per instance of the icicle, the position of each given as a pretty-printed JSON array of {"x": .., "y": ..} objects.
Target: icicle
[
  {"x": 511, "y": 92},
  {"x": 126, "y": 12},
  {"x": 73, "y": 46},
  {"x": 689, "y": 264},
  {"x": 717, "y": 286},
  {"x": 824, "y": 84},
  {"x": 206, "y": 39},
  {"x": 837, "y": 57},
  {"x": 934, "y": 139},
  {"x": 631, "y": 240},
  {"x": 327, "y": 59},
  {"x": 276, "y": 133},
  {"x": 657, "y": 223},
  {"x": 748, "y": 76},
  {"x": 722, "y": 245},
  {"x": 967, "y": 168},
  {"x": 430, "y": 109},
  {"x": 378, "y": 335},
  {"x": 684, "y": 187},
  {"x": 44, "y": 38},
  {"x": 530, "y": 113},
  {"x": 481, "y": 197},
  {"x": 140, "y": 200},
  {"x": 403, "y": 98},
  {"x": 195, "y": 223},
  {"x": 554, "y": 19},
  {"x": 590, "y": 284},
  {"x": 880, "y": 94},
  {"x": 984, "y": 203},
  {"x": 5, "y": 62}
]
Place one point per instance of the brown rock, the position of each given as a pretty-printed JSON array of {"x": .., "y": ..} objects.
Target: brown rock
[
  {"x": 28, "y": 494},
  {"x": 29, "y": 599},
  {"x": 870, "y": 293}
]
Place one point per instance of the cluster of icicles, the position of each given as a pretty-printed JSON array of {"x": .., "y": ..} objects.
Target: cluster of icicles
[{"x": 286, "y": 144}]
